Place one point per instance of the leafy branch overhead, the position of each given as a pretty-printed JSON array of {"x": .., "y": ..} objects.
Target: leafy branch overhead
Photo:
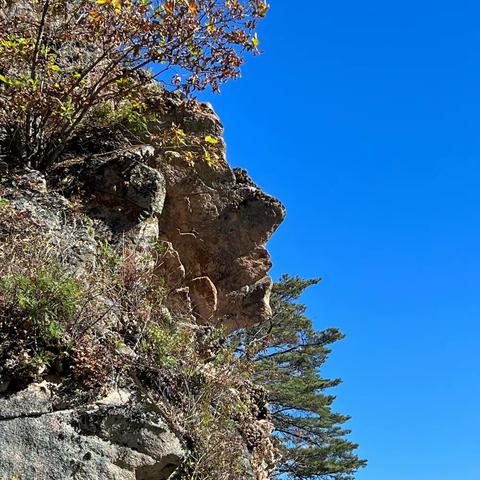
[{"x": 59, "y": 59}]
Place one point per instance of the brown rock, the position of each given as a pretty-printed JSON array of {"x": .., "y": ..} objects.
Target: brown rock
[
  {"x": 204, "y": 296},
  {"x": 218, "y": 222},
  {"x": 169, "y": 267}
]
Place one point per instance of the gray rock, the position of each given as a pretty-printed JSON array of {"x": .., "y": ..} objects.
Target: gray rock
[
  {"x": 108, "y": 440},
  {"x": 34, "y": 401},
  {"x": 124, "y": 178},
  {"x": 67, "y": 231}
]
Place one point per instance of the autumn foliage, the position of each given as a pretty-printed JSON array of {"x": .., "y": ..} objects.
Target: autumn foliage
[{"x": 59, "y": 60}]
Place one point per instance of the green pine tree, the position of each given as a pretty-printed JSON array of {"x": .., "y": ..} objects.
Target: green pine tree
[{"x": 289, "y": 354}]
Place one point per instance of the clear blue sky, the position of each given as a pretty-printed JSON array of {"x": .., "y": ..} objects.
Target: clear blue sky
[{"x": 363, "y": 117}]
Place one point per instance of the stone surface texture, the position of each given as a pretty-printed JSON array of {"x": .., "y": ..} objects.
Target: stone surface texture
[
  {"x": 219, "y": 222},
  {"x": 111, "y": 439}
]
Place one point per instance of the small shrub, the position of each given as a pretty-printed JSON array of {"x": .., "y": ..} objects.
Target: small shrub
[
  {"x": 131, "y": 116},
  {"x": 45, "y": 297},
  {"x": 36, "y": 310},
  {"x": 166, "y": 344}
]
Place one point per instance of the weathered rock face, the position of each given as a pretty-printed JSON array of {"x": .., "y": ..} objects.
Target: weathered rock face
[
  {"x": 119, "y": 187},
  {"x": 215, "y": 220},
  {"x": 211, "y": 223},
  {"x": 54, "y": 216},
  {"x": 112, "y": 439},
  {"x": 219, "y": 221},
  {"x": 219, "y": 227}
]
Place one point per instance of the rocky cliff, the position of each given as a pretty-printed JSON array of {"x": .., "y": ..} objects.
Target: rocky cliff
[{"x": 80, "y": 401}]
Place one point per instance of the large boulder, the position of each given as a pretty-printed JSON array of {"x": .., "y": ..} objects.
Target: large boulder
[
  {"x": 111, "y": 439},
  {"x": 219, "y": 221}
]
